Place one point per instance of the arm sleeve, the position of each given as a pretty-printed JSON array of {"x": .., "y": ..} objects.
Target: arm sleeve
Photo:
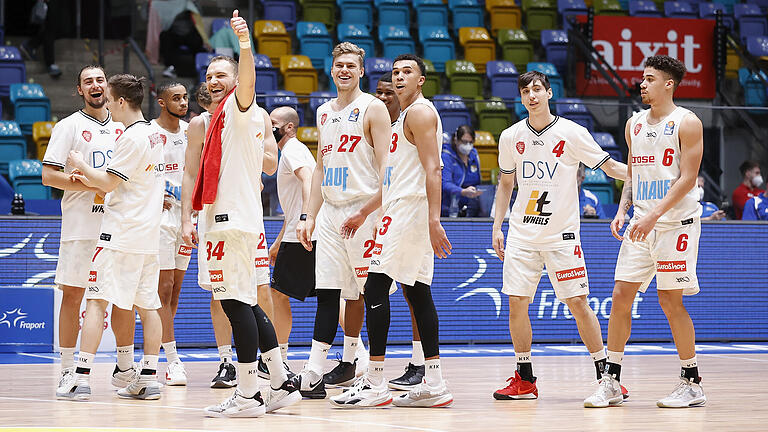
[
  {"x": 749, "y": 210},
  {"x": 128, "y": 157},
  {"x": 506, "y": 157},
  {"x": 62, "y": 138},
  {"x": 586, "y": 150}
]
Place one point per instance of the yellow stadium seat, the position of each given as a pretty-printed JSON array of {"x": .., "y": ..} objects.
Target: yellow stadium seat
[
  {"x": 732, "y": 63},
  {"x": 308, "y": 135},
  {"x": 503, "y": 14},
  {"x": 298, "y": 74},
  {"x": 271, "y": 39},
  {"x": 487, "y": 152},
  {"x": 479, "y": 47},
  {"x": 41, "y": 134}
]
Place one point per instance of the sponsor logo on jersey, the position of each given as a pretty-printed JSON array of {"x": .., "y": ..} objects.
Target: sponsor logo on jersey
[
  {"x": 172, "y": 167},
  {"x": 670, "y": 266},
  {"x": 93, "y": 289},
  {"x": 336, "y": 177},
  {"x": 354, "y": 115},
  {"x": 216, "y": 276},
  {"x": 105, "y": 237},
  {"x": 539, "y": 170},
  {"x": 156, "y": 139},
  {"x": 376, "y": 249},
  {"x": 569, "y": 236},
  {"x": 336, "y": 120},
  {"x": 644, "y": 160},
  {"x": 669, "y": 129},
  {"x": 323, "y": 118},
  {"x": 148, "y": 168},
  {"x": 100, "y": 158},
  {"x": 534, "y": 211},
  {"x": 637, "y": 128},
  {"x": 387, "y": 176},
  {"x": 520, "y": 146},
  {"x": 361, "y": 272},
  {"x": 92, "y": 276},
  {"x": 650, "y": 134},
  {"x": 687, "y": 221},
  {"x": 261, "y": 262},
  {"x": 570, "y": 274},
  {"x": 326, "y": 149},
  {"x": 651, "y": 189},
  {"x": 179, "y": 142},
  {"x": 185, "y": 250},
  {"x": 98, "y": 204},
  {"x": 683, "y": 279},
  {"x": 87, "y": 136},
  {"x": 103, "y": 131},
  {"x": 221, "y": 217},
  {"x": 538, "y": 143}
]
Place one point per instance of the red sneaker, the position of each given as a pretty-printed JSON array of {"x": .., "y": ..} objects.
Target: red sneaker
[
  {"x": 624, "y": 392},
  {"x": 517, "y": 389}
]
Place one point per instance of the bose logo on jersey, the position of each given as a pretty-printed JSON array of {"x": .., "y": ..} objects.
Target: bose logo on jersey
[
  {"x": 643, "y": 160},
  {"x": 336, "y": 177},
  {"x": 539, "y": 170}
]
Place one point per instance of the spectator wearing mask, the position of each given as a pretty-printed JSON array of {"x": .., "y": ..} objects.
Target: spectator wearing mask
[
  {"x": 749, "y": 187},
  {"x": 461, "y": 173},
  {"x": 709, "y": 210},
  {"x": 756, "y": 207},
  {"x": 589, "y": 203}
]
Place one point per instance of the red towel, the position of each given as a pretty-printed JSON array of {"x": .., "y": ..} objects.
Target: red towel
[{"x": 207, "y": 182}]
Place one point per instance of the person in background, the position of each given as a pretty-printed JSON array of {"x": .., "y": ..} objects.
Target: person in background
[
  {"x": 589, "y": 203},
  {"x": 709, "y": 210},
  {"x": 461, "y": 173},
  {"x": 749, "y": 187},
  {"x": 45, "y": 16},
  {"x": 756, "y": 208}
]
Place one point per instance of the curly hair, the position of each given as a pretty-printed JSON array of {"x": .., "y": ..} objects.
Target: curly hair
[{"x": 674, "y": 68}]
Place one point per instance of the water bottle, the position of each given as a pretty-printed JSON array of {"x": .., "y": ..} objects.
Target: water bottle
[
  {"x": 453, "y": 210},
  {"x": 17, "y": 205}
]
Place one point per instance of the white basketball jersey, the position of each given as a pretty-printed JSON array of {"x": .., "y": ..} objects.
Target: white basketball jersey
[
  {"x": 349, "y": 163},
  {"x": 174, "y": 147},
  {"x": 81, "y": 211},
  {"x": 656, "y": 166},
  {"x": 404, "y": 175},
  {"x": 545, "y": 215}
]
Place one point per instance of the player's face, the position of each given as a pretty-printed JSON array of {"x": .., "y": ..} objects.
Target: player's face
[
  {"x": 175, "y": 101},
  {"x": 113, "y": 105},
  {"x": 92, "y": 86},
  {"x": 385, "y": 92},
  {"x": 535, "y": 97},
  {"x": 220, "y": 79},
  {"x": 347, "y": 71},
  {"x": 655, "y": 83},
  {"x": 406, "y": 77}
]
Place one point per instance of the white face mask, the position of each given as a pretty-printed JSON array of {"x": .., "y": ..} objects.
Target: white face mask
[
  {"x": 757, "y": 180},
  {"x": 464, "y": 148},
  {"x": 700, "y": 193}
]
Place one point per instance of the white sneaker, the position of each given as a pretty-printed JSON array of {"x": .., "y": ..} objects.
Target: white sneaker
[
  {"x": 176, "y": 375},
  {"x": 122, "y": 379},
  {"x": 425, "y": 396},
  {"x": 73, "y": 386},
  {"x": 364, "y": 394},
  {"x": 363, "y": 358},
  {"x": 238, "y": 405},
  {"x": 287, "y": 394},
  {"x": 311, "y": 384},
  {"x": 65, "y": 375},
  {"x": 144, "y": 387},
  {"x": 608, "y": 393},
  {"x": 686, "y": 394}
]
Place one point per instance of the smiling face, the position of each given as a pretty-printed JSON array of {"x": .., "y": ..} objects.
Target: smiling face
[
  {"x": 406, "y": 77},
  {"x": 654, "y": 85},
  {"x": 92, "y": 86},
  {"x": 347, "y": 71},
  {"x": 220, "y": 79},
  {"x": 535, "y": 97}
]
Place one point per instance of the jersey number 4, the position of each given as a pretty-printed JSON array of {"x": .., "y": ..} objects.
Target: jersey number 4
[{"x": 559, "y": 148}]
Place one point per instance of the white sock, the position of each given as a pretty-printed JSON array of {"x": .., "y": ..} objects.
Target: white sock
[
  {"x": 274, "y": 362},
  {"x": 361, "y": 351},
  {"x": 598, "y": 355},
  {"x": 417, "y": 355},
  {"x": 317, "y": 355},
  {"x": 376, "y": 372},
  {"x": 350, "y": 348},
  {"x": 284, "y": 351},
  {"x": 225, "y": 353},
  {"x": 85, "y": 360},
  {"x": 432, "y": 374},
  {"x": 690, "y": 363},
  {"x": 615, "y": 357},
  {"x": 125, "y": 357},
  {"x": 523, "y": 357},
  {"x": 170, "y": 352},
  {"x": 67, "y": 357},
  {"x": 149, "y": 362},
  {"x": 248, "y": 378}
]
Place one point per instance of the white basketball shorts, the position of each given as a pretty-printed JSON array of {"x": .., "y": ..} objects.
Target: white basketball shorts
[
  {"x": 174, "y": 254},
  {"x": 565, "y": 268},
  {"x": 124, "y": 279},
  {"x": 238, "y": 262},
  {"x": 74, "y": 262}
]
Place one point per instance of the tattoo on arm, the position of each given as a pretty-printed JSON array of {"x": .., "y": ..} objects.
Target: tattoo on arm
[{"x": 626, "y": 196}]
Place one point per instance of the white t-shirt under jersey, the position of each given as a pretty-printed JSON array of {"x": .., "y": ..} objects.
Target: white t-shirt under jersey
[
  {"x": 81, "y": 211},
  {"x": 238, "y": 198},
  {"x": 174, "y": 147},
  {"x": 656, "y": 166},
  {"x": 349, "y": 163},
  {"x": 132, "y": 211},
  {"x": 293, "y": 156},
  {"x": 545, "y": 215}
]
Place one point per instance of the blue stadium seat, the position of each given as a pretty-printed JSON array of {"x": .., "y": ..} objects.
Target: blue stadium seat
[
  {"x": 520, "y": 111},
  {"x": 26, "y": 176},
  {"x": 751, "y": 20},
  {"x": 605, "y": 140},
  {"x": 30, "y": 105},
  {"x": 12, "y": 69},
  {"x": 431, "y": 13},
  {"x": 728, "y": 5},
  {"x": 503, "y": 78},
  {"x": 555, "y": 43},
  {"x": 318, "y": 98},
  {"x": 281, "y": 10},
  {"x": 754, "y": 89},
  {"x": 568, "y": 9},
  {"x": 375, "y": 67},
  {"x": 359, "y": 35},
  {"x": 356, "y": 12},
  {"x": 394, "y": 12},
  {"x": 395, "y": 40},
  {"x": 575, "y": 110},
  {"x": 598, "y": 183},
  {"x": 314, "y": 41},
  {"x": 555, "y": 80},
  {"x": 202, "y": 60},
  {"x": 266, "y": 75},
  {"x": 278, "y": 98},
  {"x": 678, "y": 9},
  {"x": 328, "y": 64},
  {"x": 217, "y": 24},
  {"x": 13, "y": 145},
  {"x": 453, "y": 112},
  {"x": 466, "y": 13},
  {"x": 438, "y": 45},
  {"x": 644, "y": 8},
  {"x": 758, "y": 46},
  {"x": 708, "y": 10}
]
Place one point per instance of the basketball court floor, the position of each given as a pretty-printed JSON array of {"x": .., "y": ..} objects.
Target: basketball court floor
[{"x": 734, "y": 377}]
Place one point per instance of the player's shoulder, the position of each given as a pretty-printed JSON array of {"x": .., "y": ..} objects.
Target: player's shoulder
[{"x": 512, "y": 131}]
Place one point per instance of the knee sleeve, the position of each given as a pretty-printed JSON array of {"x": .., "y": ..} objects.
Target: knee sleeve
[
  {"x": 327, "y": 316},
  {"x": 377, "y": 311},
  {"x": 245, "y": 329},
  {"x": 420, "y": 297},
  {"x": 267, "y": 335}
]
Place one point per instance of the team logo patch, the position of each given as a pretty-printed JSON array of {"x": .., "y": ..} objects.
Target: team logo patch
[
  {"x": 87, "y": 136},
  {"x": 520, "y": 146},
  {"x": 105, "y": 237},
  {"x": 354, "y": 115},
  {"x": 361, "y": 272},
  {"x": 323, "y": 118},
  {"x": 155, "y": 139},
  {"x": 92, "y": 276},
  {"x": 216, "y": 276},
  {"x": 261, "y": 262},
  {"x": 637, "y": 128},
  {"x": 570, "y": 274},
  {"x": 569, "y": 236},
  {"x": 185, "y": 250},
  {"x": 669, "y": 129},
  {"x": 221, "y": 217},
  {"x": 163, "y": 138},
  {"x": 671, "y": 266}
]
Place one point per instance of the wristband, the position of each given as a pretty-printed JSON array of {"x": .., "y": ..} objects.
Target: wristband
[
  {"x": 303, "y": 216},
  {"x": 245, "y": 45}
]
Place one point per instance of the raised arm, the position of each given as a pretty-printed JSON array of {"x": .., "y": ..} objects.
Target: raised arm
[{"x": 246, "y": 71}]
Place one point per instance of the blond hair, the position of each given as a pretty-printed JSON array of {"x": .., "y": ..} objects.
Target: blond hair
[{"x": 348, "y": 48}]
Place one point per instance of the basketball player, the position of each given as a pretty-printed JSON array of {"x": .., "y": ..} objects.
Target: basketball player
[
  {"x": 92, "y": 132},
  {"x": 174, "y": 254},
  {"x": 414, "y": 372},
  {"x": 222, "y": 331},
  {"x": 124, "y": 269},
  {"x": 354, "y": 134},
  {"x": 238, "y": 146},
  {"x": 409, "y": 234},
  {"x": 542, "y": 154},
  {"x": 665, "y": 146}
]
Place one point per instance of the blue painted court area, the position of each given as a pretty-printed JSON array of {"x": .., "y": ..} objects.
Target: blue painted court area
[{"x": 302, "y": 353}]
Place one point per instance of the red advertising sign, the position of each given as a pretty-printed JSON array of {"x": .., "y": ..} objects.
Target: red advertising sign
[{"x": 626, "y": 42}]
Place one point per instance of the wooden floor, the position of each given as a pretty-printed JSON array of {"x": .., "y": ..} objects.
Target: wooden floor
[{"x": 735, "y": 385}]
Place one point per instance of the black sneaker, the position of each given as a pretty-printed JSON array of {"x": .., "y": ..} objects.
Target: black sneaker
[
  {"x": 227, "y": 376},
  {"x": 263, "y": 370},
  {"x": 410, "y": 379},
  {"x": 342, "y": 375},
  {"x": 310, "y": 384}
]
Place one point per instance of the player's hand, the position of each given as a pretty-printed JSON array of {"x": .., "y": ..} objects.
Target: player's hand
[
  {"x": 616, "y": 225},
  {"x": 240, "y": 27},
  {"x": 304, "y": 232},
  {"x": 639, "y": 230},
  {"x": 471, "y": 192},
  {"x": 440, "y": 244},
  {"x": 77, "y": 176},
  {"x": 189, "y": 234},
  {"x": 350, "y": 226},
  {"x": 498, "y": 243},
  {"x": 167, "y": 202},
  {"x": 273, "y": 253},
  {"x": 75, "y": 160},
  {"x": 718, "y": 215}
]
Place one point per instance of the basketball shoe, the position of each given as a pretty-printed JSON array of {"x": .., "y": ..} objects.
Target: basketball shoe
[
  {"x": 287, "y": 394},
  {"x": 74, "y": 386},
  {"x": 65, "y": 375},
  {"x": 609, "y": 393},
  {"x": 686, "y": 394},
  {"x": 310, "y": 384},
  {"x": 144, "y": 387},
  {"x": 238, "y": 405},
  {"x": 263, "y": 370},
  {"x": 425, "y": 396},
  {"x": 122, "y": 379},
  {"x": 227, "y": 376},
  {"x": 410, "y": 379},
  {"x": 176, "y": 375},
  {"x": 363, "y": 394},
  {"x": 517, "y": 388},
  {"x": 342, "y": 375}
]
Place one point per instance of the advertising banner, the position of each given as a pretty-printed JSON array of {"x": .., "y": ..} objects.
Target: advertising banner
[{"x": 26, "y": 319}]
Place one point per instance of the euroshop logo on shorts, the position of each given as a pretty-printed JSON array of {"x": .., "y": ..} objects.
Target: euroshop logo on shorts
[
  {"x": 16, "y": 318},
  {"x": 261, "y": 262},
  {"x": 185, "y": 250},
  {"x": 574, "y": 273},
  {"x": 361, "y": 272},
  {"x": 216, "y": 276},
  {"x": 671, "y": 266}
]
